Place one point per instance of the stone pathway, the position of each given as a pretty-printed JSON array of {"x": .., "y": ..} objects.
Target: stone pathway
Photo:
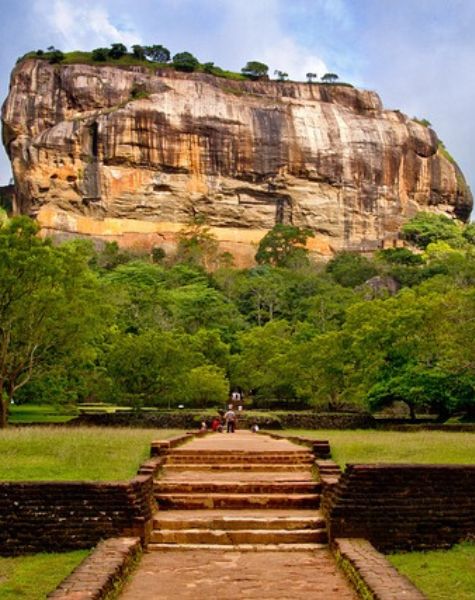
[
  {"x": 241, "y": 520},
  {"x": 231, "y": 575}
]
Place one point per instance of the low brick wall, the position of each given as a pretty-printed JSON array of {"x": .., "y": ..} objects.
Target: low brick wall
[
  {"x": 402, "y": 506},
  {"x": 57, "y": 516},
  {"x": 101, "y": 575},
  {"x": 371, "y": 574},
  {"x": 193, "y": 420}
]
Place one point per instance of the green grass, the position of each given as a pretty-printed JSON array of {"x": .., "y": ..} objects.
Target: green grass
[
  {"x": 40, "y": 413},
  {"x": 74, "y": 453},
  {"x": 445, "y": 153},
  {"x": 441, "y": 574},
  {"x": 33, "y": 577},
  {"x": 366, "y": 446}
]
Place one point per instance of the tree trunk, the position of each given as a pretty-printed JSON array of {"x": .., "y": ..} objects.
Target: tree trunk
[
  {"x": 3, "y": 409},
  {"x": 412, "y": 412}
]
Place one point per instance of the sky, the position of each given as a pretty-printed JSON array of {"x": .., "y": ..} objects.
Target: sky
[{"x": 417, "y": 54}]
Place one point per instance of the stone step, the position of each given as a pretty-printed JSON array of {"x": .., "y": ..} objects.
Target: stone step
[
  {"x": 238, "y": 536},
  {"x": 245, "y": 466},
  {"x": 234, "y": 501},
  {"x": 207, "y": 519},
  {"x": 280, "y": 460},
  {"x": 238, "y": 548},
  {"x": 186, "y": 450},
  {"x": 242, "y": 453},
  {"x": 163, "y": 486}
]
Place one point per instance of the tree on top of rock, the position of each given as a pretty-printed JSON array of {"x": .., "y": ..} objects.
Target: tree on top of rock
[
  {"x": 100, "y": 54},
  {"x": 157, "y": 53},
  {"x": 138, "y": 51},
  {"x": 329, "y": 77},
  {"x": 281, "y": 75},
  {"x": 117, "y": 51},
  {"x": 185, "y": 61},
  {"x": 255, "y": 69}
]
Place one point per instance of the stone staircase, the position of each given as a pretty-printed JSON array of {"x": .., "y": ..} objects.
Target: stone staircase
[{"x": 251, "y": 499}]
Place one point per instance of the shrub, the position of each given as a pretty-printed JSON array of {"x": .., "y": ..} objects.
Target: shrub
[
  {"x": 100, "y": 54},
  {"x": 117, "y": 51},
  {"x": 185, "y": 61}
]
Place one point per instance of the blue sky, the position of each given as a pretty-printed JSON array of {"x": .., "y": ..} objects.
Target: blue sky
[{"x": 417, "y": 54}]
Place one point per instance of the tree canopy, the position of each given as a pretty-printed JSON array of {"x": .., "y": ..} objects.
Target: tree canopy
[
  {"x": 255, "y": 69},
  {"x": 185, "y": 61},
  {"x": 78, "y": 324},
  {"x": 283, "y": 246}
]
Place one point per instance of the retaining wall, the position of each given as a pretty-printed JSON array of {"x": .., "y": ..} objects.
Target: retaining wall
[
  {"x": 402, "y": 506},
  {"x": 190, "y": 420},
  {"x": 58, "y": 516}
]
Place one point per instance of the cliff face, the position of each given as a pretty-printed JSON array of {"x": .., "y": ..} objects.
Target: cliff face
[{"x": 132, "y": 155}]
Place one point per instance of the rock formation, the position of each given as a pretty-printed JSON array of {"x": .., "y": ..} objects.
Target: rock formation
[{"x": 133, "y": 154}]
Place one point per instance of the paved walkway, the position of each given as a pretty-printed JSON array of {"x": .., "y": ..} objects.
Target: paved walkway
[
  {"x": 244, "y": 441},
  {"x": 231, "y": 573}
]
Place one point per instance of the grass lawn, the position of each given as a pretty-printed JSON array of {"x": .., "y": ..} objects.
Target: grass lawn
[
  {"x": 367, "y": 446},
  {"x": 441, "y": 574},
  {"x": 40, "y": 413},
  {"x": 75, "y": 453},
  {"x": 33, "y": 577}
]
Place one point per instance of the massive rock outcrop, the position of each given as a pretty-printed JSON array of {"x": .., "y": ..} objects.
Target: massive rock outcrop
[{"x": 132, "y": 155}]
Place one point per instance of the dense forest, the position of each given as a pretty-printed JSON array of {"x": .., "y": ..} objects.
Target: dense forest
[{"x": 78, "y": 324}]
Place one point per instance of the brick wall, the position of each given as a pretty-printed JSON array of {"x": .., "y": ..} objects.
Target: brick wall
[
  {"x": 192, "y": 420},
  {"x": 53, "y": 516},
  {"x": 402, "y": 506}
]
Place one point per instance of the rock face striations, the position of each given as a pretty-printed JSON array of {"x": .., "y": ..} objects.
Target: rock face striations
[{"x": 132, "y": 155}]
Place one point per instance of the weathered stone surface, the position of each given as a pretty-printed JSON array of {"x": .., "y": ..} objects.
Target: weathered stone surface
[
  {"x": 229, "y": 574},
  {"x": 90, "y": 159}
]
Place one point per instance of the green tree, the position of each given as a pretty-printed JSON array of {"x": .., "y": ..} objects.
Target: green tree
[
  {"x": 117, "y": 51},
  {"x": 49, "y": 305},
  {"x": 262, "y": 366},
  {"x": 325, "y": 368},
  {"x": 55, "y": 56},
  {"x": 400, "y": 256},
  {"x": 469, "y": 233},
  {"x": 329, "y": 78},
  {"x": 261, "y": 294},
  {"x": 138, "y": 51},
  {"x": 100, "y": 54},
  {"x": 209, "y": 67},
  {"x": 157, "y": 53},
  {"x": 311, "y": 76},
  {"x": 206, "y": 385},
  {"x": 185, "y": 61},
  {"x": 350, "y": 269},
  {"x": 151, "y": 368},
  {"x": 284, "y": 246},
  {"x": 255, "y": 70},
  {"x": 281, "y": 75},
  {"x": 426, "y": 228},
  {"x": 111, "y": 256},
  {"x": 198, "y": 246}
]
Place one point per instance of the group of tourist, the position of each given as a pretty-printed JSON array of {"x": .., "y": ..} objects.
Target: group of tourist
[{"x": 228, "y": 420}]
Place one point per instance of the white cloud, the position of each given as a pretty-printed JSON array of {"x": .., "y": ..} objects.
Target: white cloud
[
  {"x": 259, "y": 33},
  {"x": 83, "y": 26},
  {"x": 288, "y": 56}
]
